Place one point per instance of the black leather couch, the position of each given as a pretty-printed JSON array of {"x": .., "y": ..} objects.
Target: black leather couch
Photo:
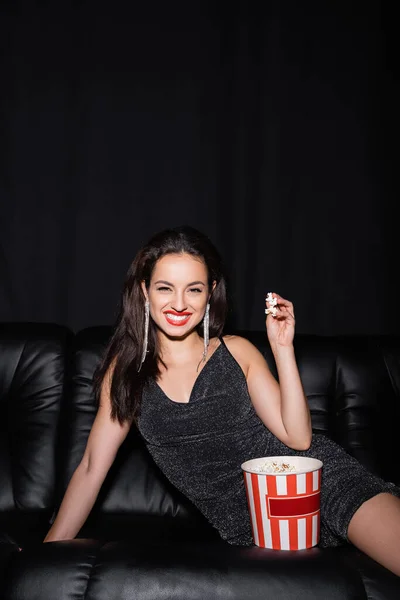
[{"x": 143, "y": 540}]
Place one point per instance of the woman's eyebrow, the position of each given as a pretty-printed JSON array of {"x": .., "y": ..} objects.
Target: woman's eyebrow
[{"x": 171, "y": 284}]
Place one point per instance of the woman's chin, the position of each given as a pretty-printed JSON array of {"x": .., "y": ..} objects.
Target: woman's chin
[{"x": 176, "y": 332}]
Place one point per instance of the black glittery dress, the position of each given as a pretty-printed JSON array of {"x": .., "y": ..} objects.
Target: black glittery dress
[{"x": 201, "y": 444}]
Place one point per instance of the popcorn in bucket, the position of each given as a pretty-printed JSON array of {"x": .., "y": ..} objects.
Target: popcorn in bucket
[{"x": 283, "y": 495}]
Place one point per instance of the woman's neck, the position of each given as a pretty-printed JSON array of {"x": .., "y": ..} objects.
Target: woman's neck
[{"x": 180, "y": 350}]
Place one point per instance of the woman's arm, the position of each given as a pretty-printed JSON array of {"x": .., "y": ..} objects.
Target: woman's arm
[
  {"x": 104, "y": 440},
  {"x": 282, "y": 407}
]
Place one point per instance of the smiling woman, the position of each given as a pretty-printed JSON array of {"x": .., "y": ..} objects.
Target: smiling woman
[{"x": 205, "y": 403}]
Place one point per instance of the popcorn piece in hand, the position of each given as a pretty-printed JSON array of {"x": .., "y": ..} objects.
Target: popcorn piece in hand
[{"x": 273, "y": 302}]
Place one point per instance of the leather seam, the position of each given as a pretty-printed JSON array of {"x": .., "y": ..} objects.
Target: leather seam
[
  {"x": 13, "y": 470},
  {"x": 92, "y": 568},
  {"x": 395, "y": 387}
]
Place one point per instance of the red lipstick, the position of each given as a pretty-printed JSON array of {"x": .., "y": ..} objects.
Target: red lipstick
[{"x": 171, "y": 315}]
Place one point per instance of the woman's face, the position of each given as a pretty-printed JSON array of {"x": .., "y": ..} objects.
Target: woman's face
[{"x": 178, "y": 294}]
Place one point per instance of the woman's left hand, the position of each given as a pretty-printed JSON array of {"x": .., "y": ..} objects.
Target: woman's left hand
[{"x": 280, "y": 328}]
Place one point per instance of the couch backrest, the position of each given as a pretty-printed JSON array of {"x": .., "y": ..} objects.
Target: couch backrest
[{"x": 32, "y": 377}]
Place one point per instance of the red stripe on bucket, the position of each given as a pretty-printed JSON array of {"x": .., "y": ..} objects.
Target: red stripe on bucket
[
  {"x": 271, "y": 485},
  {"x": 309, "y": 483},
  {"x": 293, "y": 535},
  {"x": 309, "y": 531},
  {"x": 275, "y": 534},
  {"x": 275, "y": 531},
  {"x": 248, "y": 504},
  {"x": 291, "y": 484},
  {"x": 257, "y": 508}
]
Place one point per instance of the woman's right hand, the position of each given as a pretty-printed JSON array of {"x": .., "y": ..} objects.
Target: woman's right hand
[{"x": 281, "y": 325}]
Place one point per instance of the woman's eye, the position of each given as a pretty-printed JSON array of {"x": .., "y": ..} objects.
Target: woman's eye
[
  {"x": 195, "y": 290},
  {"x": 164, "y": 288}
]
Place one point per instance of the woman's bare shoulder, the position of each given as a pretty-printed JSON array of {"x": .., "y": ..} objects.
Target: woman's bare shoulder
[
  {"x": 241, "y": 349},
  {"x": 238, "y": 342}
]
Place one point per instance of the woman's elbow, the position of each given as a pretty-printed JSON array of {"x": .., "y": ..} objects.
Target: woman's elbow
[{"x": 302, "y": 445}]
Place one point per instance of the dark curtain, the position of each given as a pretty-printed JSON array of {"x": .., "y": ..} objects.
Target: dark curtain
[{"x": 272, "y": 127}]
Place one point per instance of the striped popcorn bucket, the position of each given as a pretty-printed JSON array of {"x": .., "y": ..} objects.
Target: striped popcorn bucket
[{"x": 284, "y": 508}]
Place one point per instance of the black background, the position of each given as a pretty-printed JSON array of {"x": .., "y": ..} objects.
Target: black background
[{"x": 272, "y": 127}]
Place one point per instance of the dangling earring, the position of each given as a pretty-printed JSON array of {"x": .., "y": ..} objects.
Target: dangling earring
[
  {"x": 146, "y": 332},
  {"x": 206, "y": 329}
]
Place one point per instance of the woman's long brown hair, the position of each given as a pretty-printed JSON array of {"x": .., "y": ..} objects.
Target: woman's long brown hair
[{"x": 123, "y": 353}]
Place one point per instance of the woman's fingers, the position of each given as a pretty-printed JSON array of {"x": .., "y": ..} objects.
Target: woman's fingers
[
  {"x": 278, "y": 306},
  {"x": 281, "y": 300}
]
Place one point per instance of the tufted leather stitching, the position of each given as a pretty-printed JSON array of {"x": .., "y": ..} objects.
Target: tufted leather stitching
[
  {"x": 14, "y": 471},
  {"x": 393, "y": 381},
  {"x": 93, "y": 567},
  {"x": 11, "y": 379}
]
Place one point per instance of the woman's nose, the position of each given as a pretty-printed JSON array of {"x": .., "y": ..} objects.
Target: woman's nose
[{"x": 178, "y": 303}]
